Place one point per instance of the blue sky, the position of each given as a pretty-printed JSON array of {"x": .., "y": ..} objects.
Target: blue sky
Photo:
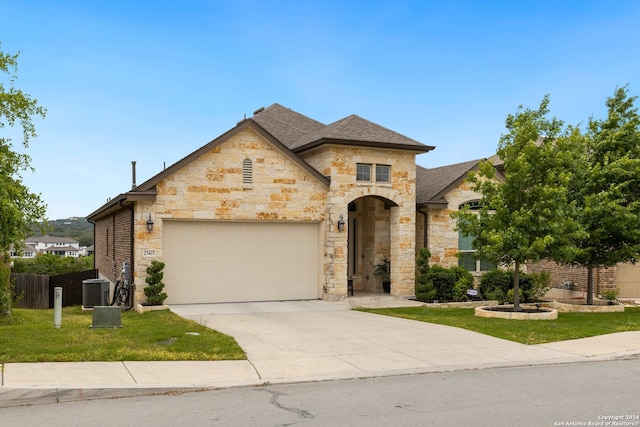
[{"x": 152, "y": 81}]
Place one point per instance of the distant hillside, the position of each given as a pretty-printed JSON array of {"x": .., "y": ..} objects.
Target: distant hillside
[{"x": 76, "y": 227}]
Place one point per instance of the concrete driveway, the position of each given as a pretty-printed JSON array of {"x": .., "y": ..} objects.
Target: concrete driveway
[{"x": 309, "y": 340}]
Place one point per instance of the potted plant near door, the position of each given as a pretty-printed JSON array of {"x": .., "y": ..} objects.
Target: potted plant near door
[{"x": 383, "y": 270}]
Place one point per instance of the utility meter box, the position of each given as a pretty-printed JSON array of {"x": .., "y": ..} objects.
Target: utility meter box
[{"x": 107, "y": 317}]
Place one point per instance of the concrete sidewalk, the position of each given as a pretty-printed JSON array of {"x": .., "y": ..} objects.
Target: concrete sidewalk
[{"x": 300, "y": 341}]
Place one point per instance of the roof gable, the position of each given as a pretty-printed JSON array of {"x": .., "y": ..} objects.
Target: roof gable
[
  {"x": 433, "y": 184},
  {"x": 299, "y": 132},
  {"x": 285, "y": 124},
  {"x": 355, "y": 130},
  {"x": 289, "y": 131},
  {"x": 146, "y": 190}
]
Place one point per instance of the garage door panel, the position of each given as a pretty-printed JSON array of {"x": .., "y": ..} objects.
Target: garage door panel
[
  {"x": 628, "y": 280},
  {"x": 235, "y": 261}
]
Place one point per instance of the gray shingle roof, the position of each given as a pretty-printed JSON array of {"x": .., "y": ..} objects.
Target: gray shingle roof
[
  {"x": 285, "y": 124},
  {"x": 66, "y": 248},
  {"x": 49, "y": 239},
  {"x": 299, "y": 132},
  {"x": 432, "y": 184},
  {"x": 288, "y": 130}
]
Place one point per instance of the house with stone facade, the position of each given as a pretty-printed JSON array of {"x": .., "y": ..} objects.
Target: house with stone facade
[
  {"x": 284, "y": 207},
  {"x": 279, "y": 207}
]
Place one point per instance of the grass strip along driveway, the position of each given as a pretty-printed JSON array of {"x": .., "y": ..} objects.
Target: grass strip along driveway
[
  {"x": 567, "y": 326},
  {"x": 30, "y": 336}
]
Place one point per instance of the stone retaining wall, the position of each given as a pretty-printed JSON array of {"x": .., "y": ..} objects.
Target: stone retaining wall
[{"x": 602, "y": 307}]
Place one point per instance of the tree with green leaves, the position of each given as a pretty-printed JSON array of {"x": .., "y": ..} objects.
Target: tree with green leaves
[
  {"x": 527, "y": 215},
  {"x": 606, "y": 187},
  {"x": 19, "y": 207}
]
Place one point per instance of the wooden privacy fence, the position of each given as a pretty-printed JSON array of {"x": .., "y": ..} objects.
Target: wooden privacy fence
[{"x": 37, "y": 290}]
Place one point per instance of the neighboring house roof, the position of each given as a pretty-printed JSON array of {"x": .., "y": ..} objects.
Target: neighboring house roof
[
  {"x": 433, "y": 184},
  {"x": 49, "y": 239},
  {"x": 24, "y": 247},
  {"x": 60, "y": 248},
  {"x": 289, "y": 131}
]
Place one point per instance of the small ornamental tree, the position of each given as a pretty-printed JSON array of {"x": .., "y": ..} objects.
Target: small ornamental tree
[
  {"x": 425, "y": 291},
  {"x": 153, "y": 290},
  {"x": 528, "y": 216},
  {"x": 607, "y": 190}
]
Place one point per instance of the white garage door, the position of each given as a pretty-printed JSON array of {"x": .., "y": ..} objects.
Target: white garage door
[
  {"x": 240, "y": 261},
  {"x": 628, "y": 280}
]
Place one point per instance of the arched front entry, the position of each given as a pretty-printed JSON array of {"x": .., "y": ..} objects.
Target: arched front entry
[{"x": 369, "y": 241}]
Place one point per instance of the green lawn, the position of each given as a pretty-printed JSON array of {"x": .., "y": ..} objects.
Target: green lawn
[
  {"x": 567, "y": 326},
  {"x": 30, "y": 336}
]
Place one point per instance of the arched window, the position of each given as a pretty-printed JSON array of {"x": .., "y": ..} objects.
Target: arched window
[
  {"x": 466, "y": 252},
  {"x": 247, "y": 172}
]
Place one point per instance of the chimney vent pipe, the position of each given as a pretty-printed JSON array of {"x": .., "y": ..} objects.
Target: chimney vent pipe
[{"x": 133, "y": 175}]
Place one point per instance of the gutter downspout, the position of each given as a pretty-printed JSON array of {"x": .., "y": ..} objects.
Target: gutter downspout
[
  {"x": 94, "y": 243},
  {"x": 131, "y": 254}
]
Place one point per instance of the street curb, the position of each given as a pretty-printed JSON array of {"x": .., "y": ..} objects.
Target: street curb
[{"x": 43, "y": 396}]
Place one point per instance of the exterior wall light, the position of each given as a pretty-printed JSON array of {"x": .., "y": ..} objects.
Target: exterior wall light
[
  {"x": 341, "y": 223},
  {"x": 149, "y": 224}
]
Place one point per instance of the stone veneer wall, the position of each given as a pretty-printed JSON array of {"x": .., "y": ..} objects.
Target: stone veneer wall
[
  {"x": 442, "y": 240},
  {"x": 211, "y": 188},
  {"x": 339, "y": 162}
]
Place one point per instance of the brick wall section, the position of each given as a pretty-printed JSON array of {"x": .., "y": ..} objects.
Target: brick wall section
[
  {"x": 113, "y": 243},
  {"x": 603, "y": 277}
]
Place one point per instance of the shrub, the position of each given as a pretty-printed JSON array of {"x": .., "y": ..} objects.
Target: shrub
[
  {"x": 493, "y": 280},
  {"x": 496, "y": 295},
  {"x": 609, "y": 294},
  {"x": 153, "y": 290},
  {"x": 5, "y": 291},
  {"x": 503, "y": 280},
  {"x": 510, "y": 295},
  {"x": 461, "y": 287},
  {"x": 52, "y": 264},
  {"x": 440, "y": 283},
  {"x": 443, "y": 281},
  {"x": 540, "y": 285}
]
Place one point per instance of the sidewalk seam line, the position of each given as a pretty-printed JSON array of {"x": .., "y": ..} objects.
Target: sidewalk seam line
[
  {"x": 129, "y": 372},
  {"x": 255, "y": 369}
]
